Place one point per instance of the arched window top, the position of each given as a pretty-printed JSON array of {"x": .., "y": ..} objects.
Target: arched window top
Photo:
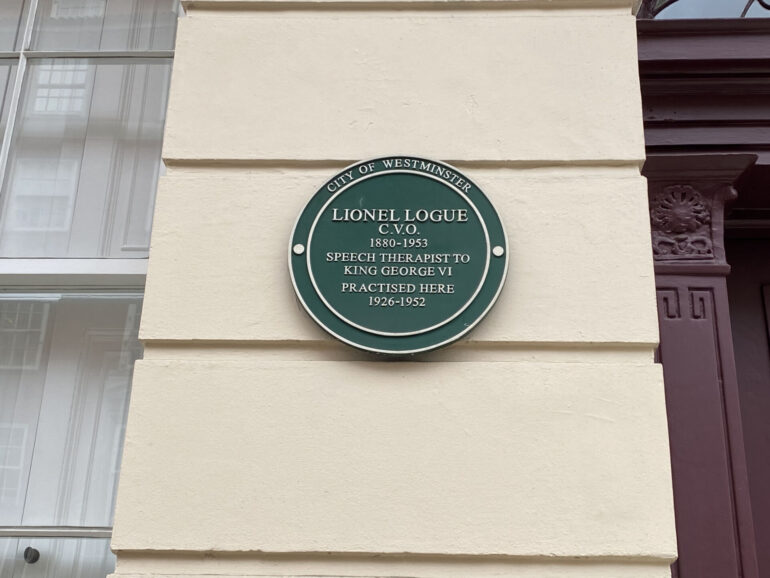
[{"x": 685, "y": 9}]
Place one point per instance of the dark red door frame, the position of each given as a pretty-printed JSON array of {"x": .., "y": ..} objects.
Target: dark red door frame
[
  {"x": 706, "y": 85},
  {"x": 706, "y": 102}
]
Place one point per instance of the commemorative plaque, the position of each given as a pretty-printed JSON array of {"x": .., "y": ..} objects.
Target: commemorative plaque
[{"x": 398, "y": 255}]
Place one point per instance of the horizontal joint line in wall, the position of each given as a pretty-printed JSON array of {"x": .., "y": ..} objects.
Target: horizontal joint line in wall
[
  {"x": 184, "y": 163},
  {"x": 364, "y": 5},
  {"x": 631, "y": 558},
  {"x": 222, "y": 345},
  {"x": 192, "y": 342}
]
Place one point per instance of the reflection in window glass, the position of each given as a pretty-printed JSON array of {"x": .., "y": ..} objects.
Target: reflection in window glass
[
  {"x": 10, "y": 24},
  {"x": 61, "y": 88},
  {"x": 65, "y": 370},
  {"x": 85, "y": 159},
  {"x": 105, "y": 25},
  {"x": 682, "y": 9},
  {"x": 22, "y": 334},
  {"x": 59, "y": 557}
]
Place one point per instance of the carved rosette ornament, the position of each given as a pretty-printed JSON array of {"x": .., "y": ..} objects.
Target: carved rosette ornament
[{"x": 681, "y": 224}]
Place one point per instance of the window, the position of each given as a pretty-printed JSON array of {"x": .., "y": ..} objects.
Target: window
[
  {"x": 694, "y": 9},
  {"x": 81, "y": 155},
  {"x": 83, "y": 91},
  {"x": 66, "y": 369}
]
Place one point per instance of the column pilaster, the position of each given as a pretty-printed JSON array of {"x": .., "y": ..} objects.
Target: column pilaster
[{"x": 688, "y": 196}]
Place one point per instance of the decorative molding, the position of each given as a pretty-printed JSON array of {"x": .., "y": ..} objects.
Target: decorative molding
[
  {"x": 668, "y": 303},
  {"x": 687, "y": 198},
  {"x": 681, "y": 224},
  {"x": 701, "y": 303}
]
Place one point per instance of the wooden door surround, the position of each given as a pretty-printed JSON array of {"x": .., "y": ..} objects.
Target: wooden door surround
[{"x": 706, "y": 102}]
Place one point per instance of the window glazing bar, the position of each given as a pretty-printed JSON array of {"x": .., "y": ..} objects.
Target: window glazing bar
[
  {"x": 34, "y": 294},
  {"x": 5, "y": 146},
  {"x": 99, "y": 54},
  {"x": 54, "y": 532},
  {"x": 28, "y": 25}
]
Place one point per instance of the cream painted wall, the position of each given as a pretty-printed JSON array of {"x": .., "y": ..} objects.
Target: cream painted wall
[
  {"x": 258, "y": 446},
  {"x": 460, "y": 85},
  {"x": 567, "y": 228}
]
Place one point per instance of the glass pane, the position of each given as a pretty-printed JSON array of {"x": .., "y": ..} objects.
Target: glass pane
[
  {"x": 65, "y": 373},
  {"x": 9, "y": 558},
  {"x": 59, "y": 558},
  {"x": 712, "y": 9},
  {"x": 105, "y": 25},
  {"x": 25, "y": 329},
  {"x": 85, "y": 159},
  {"x": 11, "y": 30}
]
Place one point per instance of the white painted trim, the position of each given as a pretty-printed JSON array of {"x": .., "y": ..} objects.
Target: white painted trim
[
  {"x": 54, "y": 532},
  {"x": 99, "y": 54},
  {"x": 73, "y": 272}
]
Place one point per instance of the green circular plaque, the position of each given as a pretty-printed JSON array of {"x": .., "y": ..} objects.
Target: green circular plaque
[{"x": 398, "y": 255}]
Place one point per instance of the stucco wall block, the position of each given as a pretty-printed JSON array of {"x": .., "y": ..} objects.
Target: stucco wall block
[
  {"x": 345, "y": 85},
  {"x": 580, "y": 268},
  {"x": 470, "y": 458}
]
